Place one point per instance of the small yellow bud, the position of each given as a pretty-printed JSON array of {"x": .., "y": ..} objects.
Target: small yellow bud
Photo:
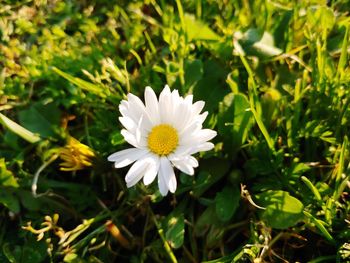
[{"x": 75, "y": 155}]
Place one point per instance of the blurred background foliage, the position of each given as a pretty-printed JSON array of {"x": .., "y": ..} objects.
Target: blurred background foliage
[{"x": 275, "y": 78}]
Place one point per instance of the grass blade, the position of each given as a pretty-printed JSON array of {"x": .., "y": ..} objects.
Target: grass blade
[{"x": 19, "y": 130}]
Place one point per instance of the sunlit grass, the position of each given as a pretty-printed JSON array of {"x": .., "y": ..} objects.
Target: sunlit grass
[{"x": 275, "y": 78}]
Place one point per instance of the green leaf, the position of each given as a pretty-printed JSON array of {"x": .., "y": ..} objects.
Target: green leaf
[
  {"x": 6, "y": 177},
  {"x": 71, "y": 258},
  {"x": 11, "y": 254},
  {"x": 281, "y": 209},
  {"x": 84, "y": 85},
  {"x": 269, "y": 104},
  {"x": 41, "y": 119},
  {"x": 215, "y": 235},
  {"x": 343, "y": 60},
  {"x": 221, "y": 49},
  {"x": 8, "y": 199},
  {"x": 282, "y": 26},
  {"x": 226, "y": 202},
  {"x": 265, "y": 47},
  {"x": 298, "y": 168},
  {"x": 320, "y": 225},
  {"x": 211, "y": 171},
  {"x": 12, "y": 140},
  {"x": 116, "y": 138},
  {"x": 198, "y": 30},
  {"x": 255, "y": 42},
  {"x": 3, "y": 258},
  {"x": 29, "y": 201},
  {"x": 210, "y": 86},
  {"x": 30, "y": 254},
  {"x": 320, "y": 18},
  {"x": 225, "y": 259},
  {"x": 205, "y": 220},
  {"x": 176, "y": 231},
  {"x": 234, "y": 120},
  {"x": 19, "y": 130},
  {"x": 193, "y": 72}
]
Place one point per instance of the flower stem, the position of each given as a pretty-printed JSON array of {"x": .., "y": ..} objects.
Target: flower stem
[
  {"x": 161, "y": 234},
  {"x": 37, "y": 173}
]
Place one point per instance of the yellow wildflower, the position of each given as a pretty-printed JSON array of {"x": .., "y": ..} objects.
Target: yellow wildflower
[
  {"x": 49, "y": 224},
  {"x": 75, "y": 155}
]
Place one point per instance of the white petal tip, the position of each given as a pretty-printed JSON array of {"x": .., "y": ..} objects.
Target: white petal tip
[
  {"x": 172, "y": 190},
  {"x": 129, "y": 185},
  {"x": 119, "y": 165},
  {"x": 209, "y": 147},
  {"x": 212, "y": 134},
  {"x": 191, "y": 173},
  {"x": 110, "y": 158},
  {"x": 163, "y": 193}
]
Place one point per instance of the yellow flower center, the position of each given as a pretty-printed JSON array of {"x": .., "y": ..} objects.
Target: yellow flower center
[{"x": 163, "y": 139}]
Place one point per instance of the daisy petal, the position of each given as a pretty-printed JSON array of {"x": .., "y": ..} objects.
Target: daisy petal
[
  {"x": 206, "y": 135},
  {"x": 145, "y": 123},
  {"x": 181, "y": 150},
  {"x": 172, "y": 183},
  {"x": 182, "y": 116},
  {"x": 126, "y": 157},
  {"x": 175, "y": 96},
  {"x": 152, "y": 105},
  {"x": 198, "y": 137},
  {"x": 135, "y": 173},
  {"x": 128, "y": 123},
  {"x": 142, "y": 130},
  {"x": 136, "y": 107},
  {"x": 165, "y": 105},
  {"x": 189, "y": 99},
  {"x": 183, "y": 167},
  {"x": 114, "y": 157},
  {"x": 152, "y": 170},
  {"x": 193, "y": 161},
  {"x": 185, "y": 164},
  {"x": 123, "y": 108},
  {"x": 197, "y": 107},
  {"x": 130, "y": 138},
  {"x": 167, "y": 176},
  {"x": 201, "y": 118},
  {"x": 158, "y": 147},
  {"x": 135, "y": 101},
  {"x": 191, "y": 128},
  {"x": 163, "y": 188},
  {"x": 202, "y": 148}
]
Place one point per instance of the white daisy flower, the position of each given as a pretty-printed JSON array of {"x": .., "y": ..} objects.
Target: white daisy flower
[{"x": 164, "y": 134}]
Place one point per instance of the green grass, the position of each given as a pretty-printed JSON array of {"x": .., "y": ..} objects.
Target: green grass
[{"x": 275, "y": 77}]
